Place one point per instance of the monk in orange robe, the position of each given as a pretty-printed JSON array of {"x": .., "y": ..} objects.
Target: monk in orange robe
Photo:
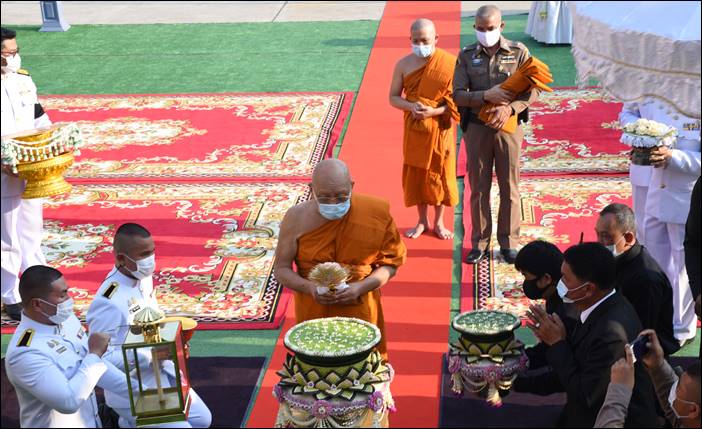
[
  {"x": 429, "y": 164},
  {"x": 335, "y": 225}
]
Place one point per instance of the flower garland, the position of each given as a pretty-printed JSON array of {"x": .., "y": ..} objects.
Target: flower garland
[
  {"x": 66, "y": 138},
  {"x": 356, "y": 395},
  {"x": 491, "y": 372}
]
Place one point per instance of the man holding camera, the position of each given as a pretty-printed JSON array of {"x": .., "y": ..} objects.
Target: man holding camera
[{"x": 679, "y": 396}]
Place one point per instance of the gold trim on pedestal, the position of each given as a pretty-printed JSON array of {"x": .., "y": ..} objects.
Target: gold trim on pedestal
[{"x": 45, "y": 178}]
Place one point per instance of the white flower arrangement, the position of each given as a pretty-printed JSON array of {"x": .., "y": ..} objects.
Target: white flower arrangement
[
  {"x": 65, "y": 138},
  {"x": 332, "y": 337},
  {"x": 485, "y": 322},
  {"x": 648, "y": 134}
]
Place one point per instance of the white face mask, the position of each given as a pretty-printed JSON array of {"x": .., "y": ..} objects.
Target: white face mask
[
  {"x": 488, "y": 38},
  {"x": 423, "y": 51},
  {"x": 613, "y": 247},
  {"x": 672, "y": 397},
  {"x": 14, "y": 63},
  {"x": 64, "y": 310},
  {"x": 145, "y": 267},
  {"x": 563, "y": 291}
]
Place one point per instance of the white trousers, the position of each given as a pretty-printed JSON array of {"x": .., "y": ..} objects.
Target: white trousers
[
  {"x": 22, "y": 229},
  {"x": 638, "y": 197},
  {"x": 665, "y": 242},
  {"x": 199, "y": 416}
]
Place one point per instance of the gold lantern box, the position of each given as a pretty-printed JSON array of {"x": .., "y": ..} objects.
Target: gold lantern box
[
  {"x": 163, "y": 341},
  {"x": 41, "y": 156}
]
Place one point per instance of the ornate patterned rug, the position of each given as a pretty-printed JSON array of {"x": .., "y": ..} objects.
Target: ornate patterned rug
[
  {"x": 571, "y": 131},
  {"x": 202, "y": 136},
  {"x": 555, "y": 209},
  {"x": 214, "y": 245}
]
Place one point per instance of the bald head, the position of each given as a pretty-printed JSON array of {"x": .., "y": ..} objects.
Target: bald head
[
  {"x": 488, "y": 11},
  {"x": 331, "y": 179},
  {"x": 488, "y": 18},
  {"x": 422, "y": 23},
  {"x": 334, "y": 170},
  {"x": 423, "y": 32}
]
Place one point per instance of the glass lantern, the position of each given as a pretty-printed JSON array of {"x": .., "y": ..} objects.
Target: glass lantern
[{"x": 154, "y": 355}]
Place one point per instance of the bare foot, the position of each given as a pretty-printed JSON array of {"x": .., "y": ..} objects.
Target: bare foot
[
  {"x": 417, "y": 230},
  {"x": 442, "y": 232}
]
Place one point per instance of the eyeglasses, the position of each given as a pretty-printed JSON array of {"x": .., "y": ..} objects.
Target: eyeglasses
[
  {"x": 332, "y": 200},
  {"x": 10, "y": 54}
]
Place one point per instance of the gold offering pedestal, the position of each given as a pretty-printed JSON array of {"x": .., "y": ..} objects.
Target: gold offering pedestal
[{"x": 42, "y": 156}]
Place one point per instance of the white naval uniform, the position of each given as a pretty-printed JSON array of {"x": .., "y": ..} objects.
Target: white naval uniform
[
  {"x": 54, "y": 375},
  {"x": 640, "y": 175},
  {"x": 111, "y": 309},
  {"x": 21, "y": 219},
  {"x": 667, "y": 207}
]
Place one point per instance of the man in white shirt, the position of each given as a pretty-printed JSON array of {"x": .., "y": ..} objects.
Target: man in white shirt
[
  {"x": 128, "y": 288},
  {"x": 22, "y": 221},
  {"x": 667, "y": 204},
  {"x": 51, "y": 361}
]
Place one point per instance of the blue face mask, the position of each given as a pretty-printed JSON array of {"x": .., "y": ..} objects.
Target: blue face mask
[
  {"x": 334, "y": 211},
  {"x": 422, "y": 51}
]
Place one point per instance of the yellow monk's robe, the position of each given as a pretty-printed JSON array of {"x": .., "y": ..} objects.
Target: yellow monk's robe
[
  {"x": 429, "y": 166},
  {"x": 365, "y": 239}
]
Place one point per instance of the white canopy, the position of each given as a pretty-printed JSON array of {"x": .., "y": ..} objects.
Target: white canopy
[{"x": 641, "y": 49}]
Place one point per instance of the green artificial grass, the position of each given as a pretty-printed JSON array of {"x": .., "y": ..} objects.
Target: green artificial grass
[{"x": 198, "y": 58}]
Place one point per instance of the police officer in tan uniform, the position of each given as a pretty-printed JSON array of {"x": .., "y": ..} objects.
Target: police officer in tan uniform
[{"x": 480, "y": 69}]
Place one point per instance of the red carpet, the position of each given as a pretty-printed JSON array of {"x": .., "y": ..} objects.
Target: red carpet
[
  {"x": 214, "y": 246},
  {"x": 247, "y": 137},
  {"x": 417, "y": 301},
  {"x": 571, "y": 131},
  {"x": 556, "y": 209}
]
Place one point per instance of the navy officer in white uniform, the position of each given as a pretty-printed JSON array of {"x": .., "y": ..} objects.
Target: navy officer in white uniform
[
  {"x": 128, "y": 288},
  {"x": 51, "y": 361},
  {"x": 673, "y": 176},
  {"x": 21, "y": 219}
]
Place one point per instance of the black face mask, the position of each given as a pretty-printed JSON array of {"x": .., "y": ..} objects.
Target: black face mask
[{"x": 531, "y": 290}]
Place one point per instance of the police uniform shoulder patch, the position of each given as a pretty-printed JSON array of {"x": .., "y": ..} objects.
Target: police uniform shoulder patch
[
  {"x": 23, "y": 71},
  {"x": 520, "y": 46},
  {"x": 26, "y": 338},
  {"x": 111, "y": 289}
]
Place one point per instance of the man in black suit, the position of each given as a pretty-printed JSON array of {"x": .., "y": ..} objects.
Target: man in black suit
[
  {"x": 581, "y": 360},
  {"x": 692, "y": 245},
  {"x": 639, "y": 277}
]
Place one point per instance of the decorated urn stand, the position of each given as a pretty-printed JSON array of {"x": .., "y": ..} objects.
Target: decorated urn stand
[
  {"x": 335, "y": 378},
  {"x": 487, "y": 357},
  {"x": 41, "y": 157}
]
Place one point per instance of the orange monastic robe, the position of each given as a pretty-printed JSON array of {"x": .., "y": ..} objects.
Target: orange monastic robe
[
  {"x": 365, "y": 239},
  {"x": 429, "y": 145}
]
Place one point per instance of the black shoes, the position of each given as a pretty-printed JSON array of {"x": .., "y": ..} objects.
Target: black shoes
[
  {"x": 510, "y": 255},
  {"x": 14, "y": 311},
  {"x": 475, "y": 256}
]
